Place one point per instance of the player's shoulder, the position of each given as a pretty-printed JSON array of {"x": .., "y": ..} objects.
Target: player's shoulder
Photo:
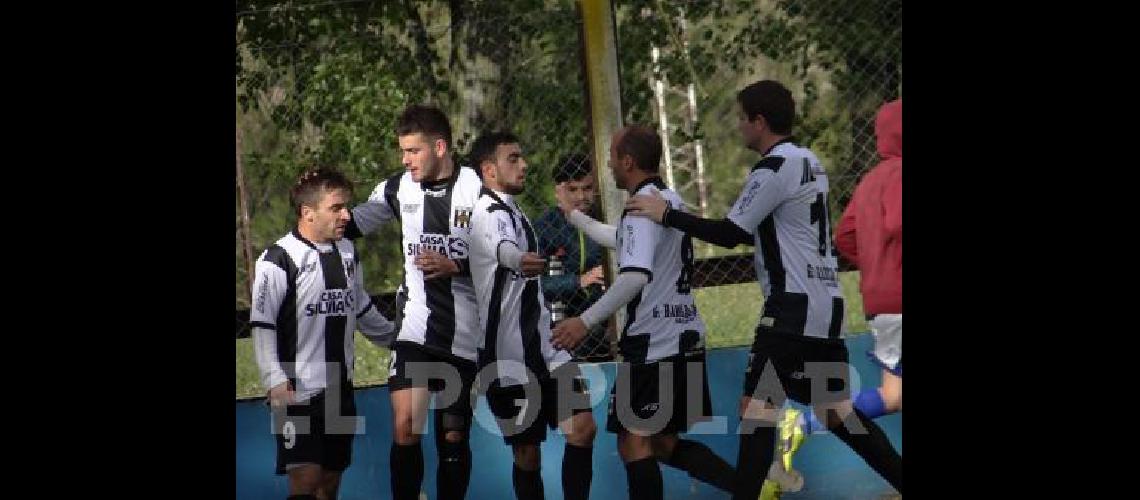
[
  {"x": 468, "y": 178},
  {"x": 283, "y": 251}
]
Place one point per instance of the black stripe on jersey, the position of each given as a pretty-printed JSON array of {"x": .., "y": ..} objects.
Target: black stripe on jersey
[
  {"x": 528, "y": 327},
  {"x": 770, "y": 248},
  {"x": 287, "y": 314},
  {"x": 390, "y": 189},
  {"x": 332, "y": 270},
  {"x": 531, "y": 242},
  {"x": 772, "y": 163},
  {"x": 259, "y": 324},
  {"x": 440, "y": 300},
  {"x": 633, "y": 269},
  {"x": 489, "y": 353},
  {"x": 836, "y": 326}
]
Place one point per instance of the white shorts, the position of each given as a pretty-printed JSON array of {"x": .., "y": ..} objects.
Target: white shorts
[{"x": 887, "y": 330}]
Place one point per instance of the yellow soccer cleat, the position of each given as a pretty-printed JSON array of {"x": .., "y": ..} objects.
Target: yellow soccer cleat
[{"x": 791, "y": 437}]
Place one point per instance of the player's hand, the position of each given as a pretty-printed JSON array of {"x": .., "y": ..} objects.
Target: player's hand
[
  {"x": 652, "y": 206},
  {"x": 563, "y": 199},
  {"x": 281, "y": 395},
  {"x": 532, "y": 264},
  {"x": 435, "y": 265},
  {"x": 567, "y": 334},
  {"x": 595, "y": 275}
]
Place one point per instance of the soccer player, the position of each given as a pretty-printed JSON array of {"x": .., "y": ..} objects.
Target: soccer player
[
  {"x": 308, "y": 299},
  {"x": 782, "y": 210},
  {"x": 438, "y": 328},
  {"x": 662, "y": 388},
  {"x": 532, "y": 384}
]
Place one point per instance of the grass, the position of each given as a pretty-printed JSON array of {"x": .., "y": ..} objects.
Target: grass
[{"x": 730, "y": 313}]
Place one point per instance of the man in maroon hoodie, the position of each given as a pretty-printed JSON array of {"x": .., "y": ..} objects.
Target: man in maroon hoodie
[{"x": 869, "y": 236}]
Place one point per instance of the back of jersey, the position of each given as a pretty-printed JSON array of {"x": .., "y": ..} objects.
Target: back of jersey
[
  {"x": 784, "y": 205},
  {"x": 662, "y": 320}
]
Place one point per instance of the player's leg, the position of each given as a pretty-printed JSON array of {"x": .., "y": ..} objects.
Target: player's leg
[
  {"x": 864, "y": 437},
  {"x": 565, "y": 393},
  {"x": 409, "y": 410},
  {"x": 523, "y": 430},
  {"x": 689, "y": 407},
  {"x": 304, "y": 479},
  {"x": 452, "y": 435},
  {"x": 330, "y": 484},
  {"x": 642, "y": 472}
]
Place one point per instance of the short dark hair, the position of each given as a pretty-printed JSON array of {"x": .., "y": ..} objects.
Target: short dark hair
[
  {"x": 643, "y": 145},
  {"x": 309, "y": 187},
  {"x": 427, "y": 120},
  {"x": 483, "y": 148},
  {"x": 773, "y": 101},
  {"x": 572, "y": 167}
]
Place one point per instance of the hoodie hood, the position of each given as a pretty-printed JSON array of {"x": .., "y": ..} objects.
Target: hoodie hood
[{"x": 888, "y": 130}]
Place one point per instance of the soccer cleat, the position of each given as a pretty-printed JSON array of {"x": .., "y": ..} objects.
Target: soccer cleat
[
  {"x": 781, "y": 480},
  {"x": 791, "y": 437}
]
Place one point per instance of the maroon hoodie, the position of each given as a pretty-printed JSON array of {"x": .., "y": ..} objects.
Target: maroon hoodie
[{"x": 870, "y": 232}]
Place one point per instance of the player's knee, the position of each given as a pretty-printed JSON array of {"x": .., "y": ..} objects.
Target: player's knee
[
  {"x": 404, "y": 430},
  {"x": 330, "y": 483},
  {"x": 663, "y": 446},
  {"x": 455, "y": 436},
  {"x": 304, "y": 480},
  {"x": 527, "y": 457},
  {"x": 632, "y": 447},
  {"x": 583, "y": 430}
]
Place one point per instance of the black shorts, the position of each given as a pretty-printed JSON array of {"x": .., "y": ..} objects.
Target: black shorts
[
  {"x": 797, "y": 363},
  {"x": 399, "y": 377},
  {"x": 681, "y": 407},
  {"x": 523, "y": 422},
  {"x": 308, "y": 433}
]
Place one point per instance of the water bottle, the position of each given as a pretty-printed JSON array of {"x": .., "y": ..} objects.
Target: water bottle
[{"x": 557, "y": 307}]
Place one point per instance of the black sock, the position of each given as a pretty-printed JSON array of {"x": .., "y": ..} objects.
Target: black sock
[
  {"x": 528, "y": 484},
  {"x": 701, "y": 463},
  {"x": 454, "y": 471},
  {"x": 874, "y": 447},
  {"x": 753, "y": 460},
  {"x": 644, "y": 479},
  {"x": 406, "y": 463},
  {"x": 577, "y": 472}
]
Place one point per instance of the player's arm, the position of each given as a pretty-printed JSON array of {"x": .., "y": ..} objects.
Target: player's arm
[
  {"x": 721, "y": 232},
  {"x": 371, "y": 323},
  {"x": 596, "y": 230},
  {"x": 636, "y": 264},
  {"x": 496, "y": 233},
  {"x": 269, "y": 288},
  {"x": 380, "y": 208}
]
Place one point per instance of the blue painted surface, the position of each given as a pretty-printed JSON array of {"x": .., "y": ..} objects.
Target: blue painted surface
[{"x": 831, "y": 470}]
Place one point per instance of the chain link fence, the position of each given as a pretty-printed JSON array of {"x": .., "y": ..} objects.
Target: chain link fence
[{"x": 321, "y": 82}]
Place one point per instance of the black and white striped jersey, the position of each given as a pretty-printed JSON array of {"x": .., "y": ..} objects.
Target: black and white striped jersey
[
  {"x": 784, "y": 206},
  {"x": 438, "y": 314},
  {"x": 512, "y": 311},
  {"x": 662, "y": 320},
  {"x": 308, "y": 299}
]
